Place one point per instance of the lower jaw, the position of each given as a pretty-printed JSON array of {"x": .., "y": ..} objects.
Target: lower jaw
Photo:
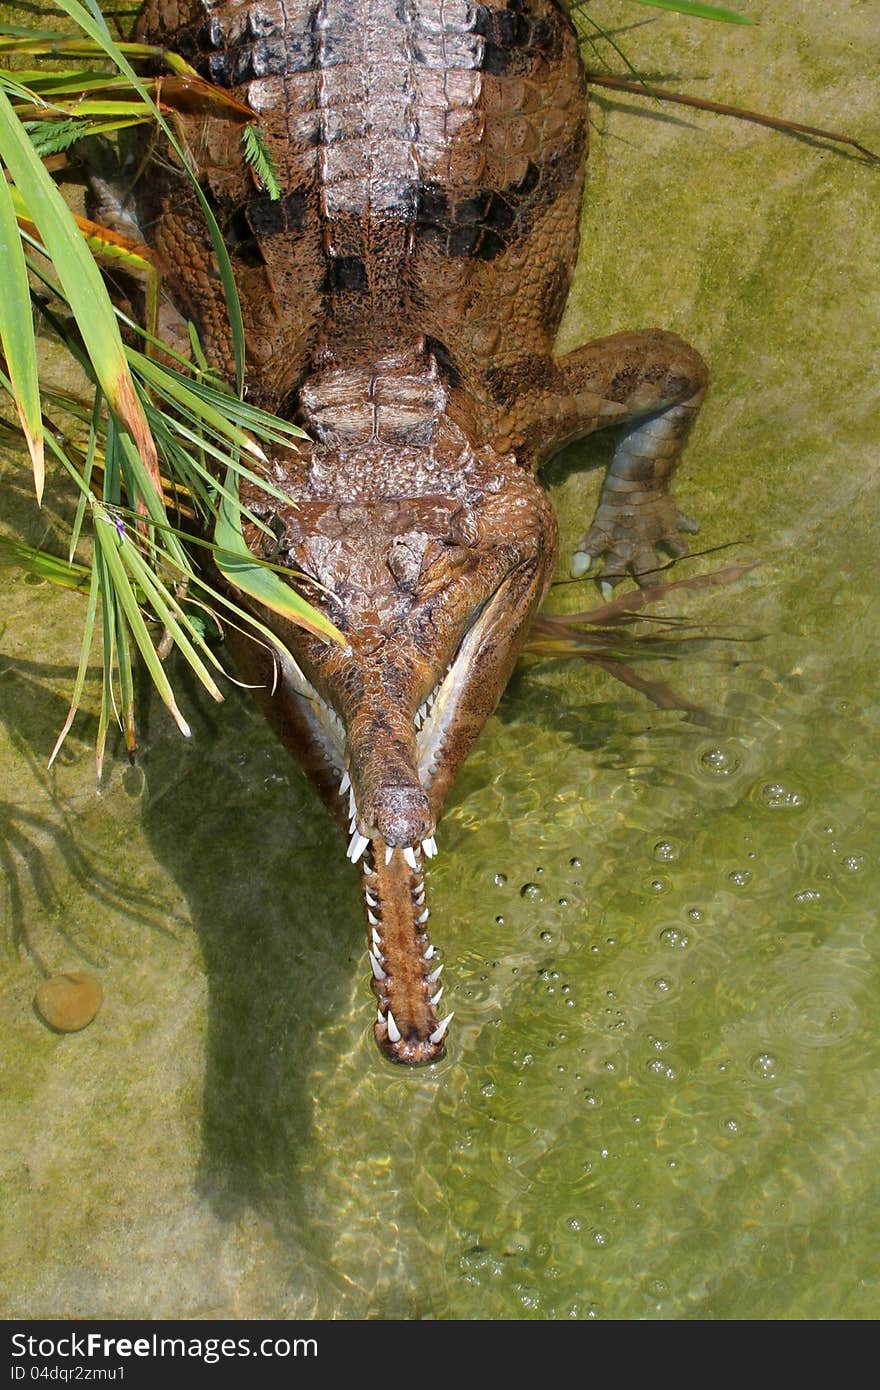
[{"x": 404, "y": 962}]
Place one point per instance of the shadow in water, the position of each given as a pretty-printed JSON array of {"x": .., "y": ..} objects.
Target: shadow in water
[
  {"x": 276, "y": 908},
  {"x": 42, "y": 847}
]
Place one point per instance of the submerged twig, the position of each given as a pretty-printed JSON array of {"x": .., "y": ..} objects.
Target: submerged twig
[
  {"x": 595, "y": 636},
  {"x": 644, "y": 88}
]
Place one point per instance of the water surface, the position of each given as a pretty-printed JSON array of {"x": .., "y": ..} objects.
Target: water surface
[{"x": 660, "y": 927}]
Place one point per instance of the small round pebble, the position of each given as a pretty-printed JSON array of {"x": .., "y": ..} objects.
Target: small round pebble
[{"x": 69, "y": 1002}]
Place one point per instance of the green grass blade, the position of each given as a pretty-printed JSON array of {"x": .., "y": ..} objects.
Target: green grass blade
[
  {"x": 17, "y": 335},
  {"x": 80, "y": 278},
  {"x": 126, "y": 682},
  {"x": 108, "y": 656},
  {"x": 171, "y": 385},
  {"x": 699, "y": 11},
  {"x": 100, "y": 34},
  {"x": 108, "y": 540},
  {"x": 44, "y": 566},
  {"x": 86, "y": 475},
  {"x": 85, "y": 650},
  {"x": 168, "y": 611},
  {"x": 235, "y": 563}
]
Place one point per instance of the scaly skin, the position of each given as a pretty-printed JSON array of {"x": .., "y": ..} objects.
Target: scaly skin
[{"x": 400, "y": 302}]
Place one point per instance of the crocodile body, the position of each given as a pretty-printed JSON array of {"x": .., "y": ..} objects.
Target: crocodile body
[{"x": 401, "y": 299}]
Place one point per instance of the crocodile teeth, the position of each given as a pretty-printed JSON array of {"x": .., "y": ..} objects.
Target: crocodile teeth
[
  {"x": 344, "y": 784},
  {"x": 377, "y": 940},
  {"x": 389, "y": 850},
  {"x": 352, "y": 804},
  {"x": 434, "y": 975},
  {"x": 409, "y": 855},
  {"x": 426, "y": 955},
  {"x": 435, "y": 998},
  {"x": 372, "y": 918},
  {"x": 371, "y": 897},
  {"x": 378, "y": 972},
  {"x": 419, "y": 898},
  {"x": 420, "y": 921},
  {"x": 393, "y": 1030},
  {"x": 429, "y": 847},
  {"x": 380, "y": 1017},
  {"x": 357, "y": 845},
  {"x": 439, "y": 1031}
]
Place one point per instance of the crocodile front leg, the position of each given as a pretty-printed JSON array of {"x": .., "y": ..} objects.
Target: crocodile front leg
[{"x": 652, "y": 384}]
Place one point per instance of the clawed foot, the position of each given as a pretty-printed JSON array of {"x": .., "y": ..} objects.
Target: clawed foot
[{"x": 627, "y": 541}]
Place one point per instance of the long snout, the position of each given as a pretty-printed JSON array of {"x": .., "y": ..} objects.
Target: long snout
[{"x": 390, "y": 802}]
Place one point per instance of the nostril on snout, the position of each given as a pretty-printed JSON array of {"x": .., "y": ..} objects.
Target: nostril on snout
[{"x": 401, "y": 815}]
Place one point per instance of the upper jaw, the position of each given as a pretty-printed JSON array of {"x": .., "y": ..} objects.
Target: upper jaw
[{"x": 404, "y": 726}]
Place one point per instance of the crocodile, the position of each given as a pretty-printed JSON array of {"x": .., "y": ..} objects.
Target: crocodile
[{"x": 401, "y": 297}]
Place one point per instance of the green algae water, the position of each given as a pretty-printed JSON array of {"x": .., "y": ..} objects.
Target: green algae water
[{"x": 659, "y": 926}]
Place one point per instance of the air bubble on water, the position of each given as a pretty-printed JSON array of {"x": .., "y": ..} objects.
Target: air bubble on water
[
  {"x": 574, "y": 1223},
  {"x": 777, "y": 797},
  {"x": 600, "y": 1237},
  {"x": 662, "y": 985},
  {"x": 695, "y": 914},
  {"x": 575, "y": 862},
  {"x": 658, "y": 886},
  {"x": 532, "y": 892},
  {"x": 499, "y": 921},
  {"x": 764, "y": 1065},
  {"x": 500, "y": 880},
  {"x": 718, "y": 762},
  {"x": 854, "y": 863},
  {"x": 665, "y": 851},
  {"x": 740, "y": 877},
  {"x": 546, "y": 936},
  {"x": 563, "y": 902},
  {"x": 658, "y": 1067},
  {"x": 674, "y": 938},
  {"x": 808, "y": 895}
]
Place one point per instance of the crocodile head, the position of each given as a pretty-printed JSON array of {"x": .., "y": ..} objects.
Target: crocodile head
[{"x": 433, "y": 575}]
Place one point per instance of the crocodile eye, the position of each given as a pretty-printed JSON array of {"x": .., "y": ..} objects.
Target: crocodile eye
[
  {"x": 405, "y": 559},
  {"x": 465, "y": 528}
]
